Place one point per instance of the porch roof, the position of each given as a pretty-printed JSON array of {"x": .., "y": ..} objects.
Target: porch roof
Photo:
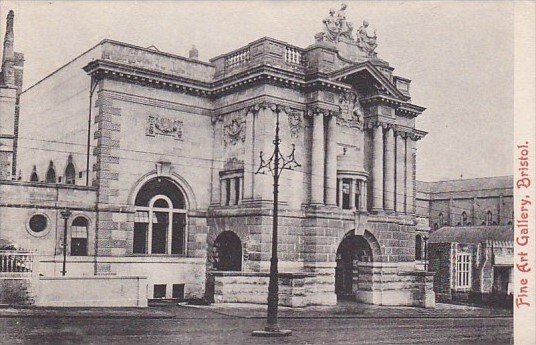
[{"x": 472, "y": 234}]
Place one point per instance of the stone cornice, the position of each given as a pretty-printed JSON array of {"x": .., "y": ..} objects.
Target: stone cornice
[
  {"x": 381, "y": 99},
  {"x": 409, "y": 110},
  {"x": 254, "y": 106}
]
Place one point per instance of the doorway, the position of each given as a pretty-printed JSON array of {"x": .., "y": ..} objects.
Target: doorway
[
  {"x": 227, "y": 252},
  {"x": 352, "y": 250}
]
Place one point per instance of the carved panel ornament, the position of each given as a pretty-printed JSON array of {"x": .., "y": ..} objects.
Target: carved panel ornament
[
  {"x": 160, "y": 125},
  {"x": 352, "y": 113},
  {"x": 234, "y": 131},
  {"x": 294, "y": 122}
]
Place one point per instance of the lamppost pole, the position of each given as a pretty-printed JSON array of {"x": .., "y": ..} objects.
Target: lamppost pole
[
  {"x": 425, "y": 238},
  {"x": 275, "y": 165},
  {"x": 65, "y": 214}
]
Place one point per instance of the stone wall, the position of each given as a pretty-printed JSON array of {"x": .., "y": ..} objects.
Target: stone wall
[{"x": 16, "y": 289}]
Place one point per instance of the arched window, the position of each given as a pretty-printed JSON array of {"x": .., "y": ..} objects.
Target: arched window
[
  {"x": 418, "y": 247},
  {"x": 441, "y": 220},
  {"x": 79, "y": 230},
  {"x": 227, "y": 252},
  {"x": 436, "y": 226},
  {"x": 489, "y": 218},
  {"x": 70, "y": 174},
  {"x": 51, "y": 173},
  {"x": 34, "y": 177},
  {"x": 160, "y": 220},
  {"x": 464, "y": 218}
]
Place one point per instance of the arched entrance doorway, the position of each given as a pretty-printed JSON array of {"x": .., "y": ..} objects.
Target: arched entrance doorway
[
  {"x": 351, "y": 250},
  {"x": 227, "y": 252}
]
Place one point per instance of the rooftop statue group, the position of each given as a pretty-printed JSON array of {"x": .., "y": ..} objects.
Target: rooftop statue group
[{"x": 336, "y": 27}]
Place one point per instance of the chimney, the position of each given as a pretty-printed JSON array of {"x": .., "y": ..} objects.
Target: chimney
[
  {"x": 193, "y": 53},
  {"x": 9, "y": 95},
  {"x": 8, "y": 57}
]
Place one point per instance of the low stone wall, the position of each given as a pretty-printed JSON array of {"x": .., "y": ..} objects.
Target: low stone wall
[
  {"x": 91, "y": 291},
  {"x": 295, "y": 289},
  {"x": 16, "y": 289},
  {"x": 387, "y": 284}
]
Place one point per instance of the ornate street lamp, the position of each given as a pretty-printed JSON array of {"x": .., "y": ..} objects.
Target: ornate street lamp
[
  {"x": 65, "y": 214},
  {"x": 275, "y": 165}
]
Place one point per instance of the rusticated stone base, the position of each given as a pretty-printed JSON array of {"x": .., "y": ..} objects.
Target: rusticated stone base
[
  {"x": 295, "y": 289},
  {"x": 16, "y": 289}
]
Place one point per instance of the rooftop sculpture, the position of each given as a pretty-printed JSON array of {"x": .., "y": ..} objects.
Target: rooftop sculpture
[{"x": 338, "y": 29}]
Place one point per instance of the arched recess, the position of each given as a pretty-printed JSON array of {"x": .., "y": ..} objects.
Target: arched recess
[
  {"x": 227, "y": 252},
  {"x": 51, "y": 173},
  {"x": 352, "y": 250},
  {"x": 34, "y": 177},
  {"x": 70, "y": 171}
]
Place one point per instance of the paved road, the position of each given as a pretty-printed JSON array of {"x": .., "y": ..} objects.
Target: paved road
[{"x": 211, "y": 328}]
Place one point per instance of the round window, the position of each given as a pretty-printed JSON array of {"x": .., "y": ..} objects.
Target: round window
[{"x": 38, "y": 223}]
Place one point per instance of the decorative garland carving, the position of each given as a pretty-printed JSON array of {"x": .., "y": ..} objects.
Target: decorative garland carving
[
  {"x": 294, "y": 122},
  {"x": 160, "y": 125},
  {"x": 235, "y": 131}
]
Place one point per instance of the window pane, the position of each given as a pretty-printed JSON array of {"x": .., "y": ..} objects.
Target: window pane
[
  {"x": 78, "y": 246},
  {"x": 228, "y": 192},
  {"x": 177, "y": 233},
  {"x": 161, "y": 203},
  {"x": 346, "y": 194},
  {"x": 140, "y": 238},
  {"x": 158, "y": 242}
]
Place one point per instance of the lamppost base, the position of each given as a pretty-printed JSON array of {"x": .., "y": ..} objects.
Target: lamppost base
[{"x": 272, "y": 333}]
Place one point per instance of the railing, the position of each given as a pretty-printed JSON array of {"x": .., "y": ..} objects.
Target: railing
[
  {"x": 293, "y": 56},
  {"x": 16, "y": 262},
  {"x": 238, "y": 58}
]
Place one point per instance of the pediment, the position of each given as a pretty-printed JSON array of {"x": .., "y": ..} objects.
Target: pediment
[{"x": 366, "y": 71}]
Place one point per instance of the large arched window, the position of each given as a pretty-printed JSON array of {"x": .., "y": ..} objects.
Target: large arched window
[
  {"x": 51, "y": 173},
  {"x": 418, "y": 247},
  {"x": 70, "y": 174},
  {"x": 160, "y": 220},
  {"x": 79, "y": 230}
]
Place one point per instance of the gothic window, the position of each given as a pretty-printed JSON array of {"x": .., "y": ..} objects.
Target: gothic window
[
  {"x": 51, "y": 174},
  {"x": 70, "y": 174},
  {"x": 489, "y": 218},
  {"x": 231, "y": 187},
  {"x": 79, "y": 236},
  {"x": 463, "y": 270},
  {"x": 436, "y": 226},
  {"x": 441, "y": 220},
  {"x": 160, "y": 219},
  {"x": 464, "y": 218},
  {"x": 34, "y": 177}
]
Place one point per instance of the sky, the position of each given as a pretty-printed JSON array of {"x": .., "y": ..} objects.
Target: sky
[{"x": 459, "y": 56}]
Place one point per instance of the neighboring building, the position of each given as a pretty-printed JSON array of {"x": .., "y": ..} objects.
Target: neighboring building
[
  {"x": 169, "y": 191},
  {"x": 471, "y": 241}
]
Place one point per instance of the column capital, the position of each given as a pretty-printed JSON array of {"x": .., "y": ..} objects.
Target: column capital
[
  {"x": 378, "y": 123},
  {"x": 273, "y": 106},
  {"x": 319, "y": 110}
]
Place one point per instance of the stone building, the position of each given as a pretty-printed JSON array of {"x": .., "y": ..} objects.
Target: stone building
[
  {"x": 156, "y": 156},
  {"x": 471, "y": 241}
]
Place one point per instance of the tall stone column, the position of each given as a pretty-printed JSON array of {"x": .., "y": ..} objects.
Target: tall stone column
[
  {"x": 317, "y": 160},
  {"x": 331, "y": 162},
  {"x": 264, "y": 135},
  {"x": 400, "y": 189},
  {"x": 377, "y": 168},
  {"x": 410, "y": 177},
  {"x": 250, "y": 157},
  {"x": 389, "y": 171}
]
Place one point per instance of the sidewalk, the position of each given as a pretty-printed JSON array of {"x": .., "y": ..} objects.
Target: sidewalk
[{"x": 348, "y": 310}]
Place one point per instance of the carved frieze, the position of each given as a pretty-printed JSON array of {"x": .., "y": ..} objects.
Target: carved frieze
[{"x": 164, "y": 126}]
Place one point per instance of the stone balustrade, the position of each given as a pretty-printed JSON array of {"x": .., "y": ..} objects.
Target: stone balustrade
[{"x": 16, "y": 262}]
